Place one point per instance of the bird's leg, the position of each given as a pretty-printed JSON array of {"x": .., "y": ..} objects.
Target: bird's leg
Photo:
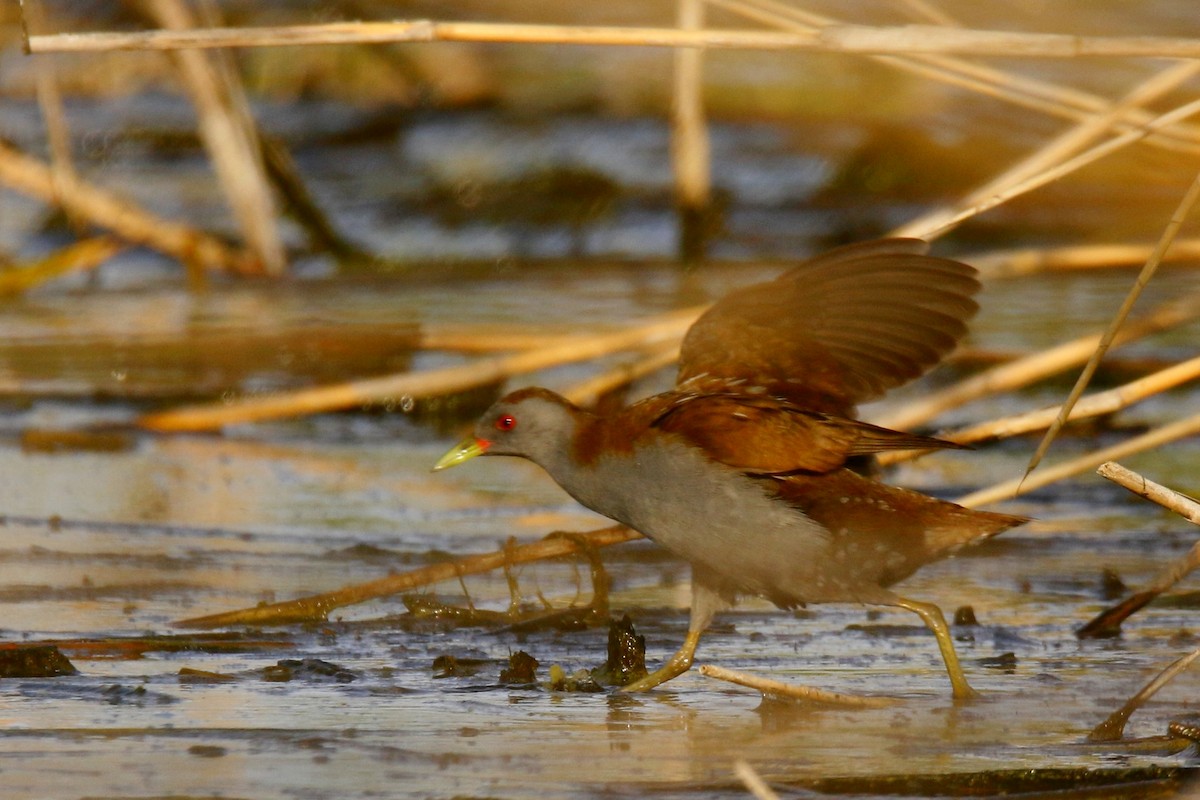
[
  {"x": 675, "y": 666},
  {"x": 931, "y": 615},
  {"x": 706, "y": 601}
]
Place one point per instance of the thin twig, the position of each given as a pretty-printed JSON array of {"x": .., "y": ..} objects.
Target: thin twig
[
  {"x": 1025, "y": 91},
  {"x": 1089, "y": 156},
  {"x": 807, "y": 694},
  {"x": 1099, "y": 404},
  {"x": 1170, "y": 499},
  {"x": 1155, "y": 437},
  {"x": 1113, "y": 728},
  {"x": 1036, "y": 366},
  {"x": 1056, "y": 151},
  {"x": 316, "y": 608},
  {"x": 1190, "y": 198}
]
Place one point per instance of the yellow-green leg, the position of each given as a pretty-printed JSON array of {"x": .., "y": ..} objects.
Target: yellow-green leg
[
  {"x": 675, "y": 666},
  {"x": 931, "y": 615},
  {"x": 707, "y": 600}
]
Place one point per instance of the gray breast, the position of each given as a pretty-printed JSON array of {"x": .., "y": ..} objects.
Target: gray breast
[{"x": 713, "y": 515}]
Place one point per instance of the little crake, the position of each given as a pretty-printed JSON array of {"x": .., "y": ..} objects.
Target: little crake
[{"x": 744, "y": 469}]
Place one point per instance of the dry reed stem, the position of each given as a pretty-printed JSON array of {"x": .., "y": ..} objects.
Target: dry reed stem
[
  {"x": 1169, "y": 499},
  {"x": 316, "y": 608},
  {"x": 76, "y": 257},
  {"x": 1056, "y": 151},
  {"x": 482, "y": 372},
  {"x": 1186, "y": 205},
  {"x": 230, "y": 138},
  {"x": 129, "y": 221},
  {"x": 1035, "y": 367},
  {"x": 1099, "y": 404},
  {"x": 690, "y": 151},
  {"x": 862, "y": 39},
  {"x": 807, "y": 694},
  {"x": 1113, "y": 728},
  {"x": 1108, "y": 622},
  {"x": 1018, "y": 263},
  {"x": 588, "y": 392},
  {"x": 1189, "y": 426},
  {"x": 752, "y": 781},
  {"x": 1028, "y": 92}
]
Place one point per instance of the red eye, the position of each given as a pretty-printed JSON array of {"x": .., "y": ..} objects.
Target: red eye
[{"x": 506, "y": 422}]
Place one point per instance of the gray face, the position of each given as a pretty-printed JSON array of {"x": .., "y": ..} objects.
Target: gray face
[{"x": 531, "y": 423}]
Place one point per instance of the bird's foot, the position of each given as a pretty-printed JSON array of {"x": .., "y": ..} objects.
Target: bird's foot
[
  {"x": 660, "y": 676},
  {"x": 676, "y": 665}
]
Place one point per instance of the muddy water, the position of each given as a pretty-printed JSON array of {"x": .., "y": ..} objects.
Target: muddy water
[{"x": 102, "y": 544}]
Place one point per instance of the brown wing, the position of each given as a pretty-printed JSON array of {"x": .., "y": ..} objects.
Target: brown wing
[
  {"x": 839, "y": 329},
  {"x": 762, "y": 435}
]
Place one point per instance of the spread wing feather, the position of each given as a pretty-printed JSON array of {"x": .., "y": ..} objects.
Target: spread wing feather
[{"x": 835, "y": 331}]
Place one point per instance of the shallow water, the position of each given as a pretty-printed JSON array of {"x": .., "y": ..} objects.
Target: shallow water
[{"x": 122, "y": 544}]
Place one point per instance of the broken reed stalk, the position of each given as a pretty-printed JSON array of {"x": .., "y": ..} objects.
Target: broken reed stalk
[
  {"x": 1169, "y": 499},
  {"x": 1190, "y": 198},
  {"x": 31, "y": 176},
  {"x": 1113, "y": 728},
  {"x": 209, "y": 416},
  {"x": 1189, "y": 426},
  {"x": 1056, "y": 151},
  {"x": 864, "y": 39},
  {"x": 1108, "y": 622},
  {"x": 1018, "y": 263},
  {"x": 807, "y": 694},
  {"x": 230, "y": 138},
  {"x": 1099, "y": 404},
  {"x": 1035, "y": 367},
  {"x": 1024, "y": 91},
  {"x": 316, "y": 608}
]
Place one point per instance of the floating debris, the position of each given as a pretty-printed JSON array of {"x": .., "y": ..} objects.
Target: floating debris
[
  {"x": 521, "y": 669},
  {"x": 310, "y": 669},
  {"x": 34, "y": 661}
]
